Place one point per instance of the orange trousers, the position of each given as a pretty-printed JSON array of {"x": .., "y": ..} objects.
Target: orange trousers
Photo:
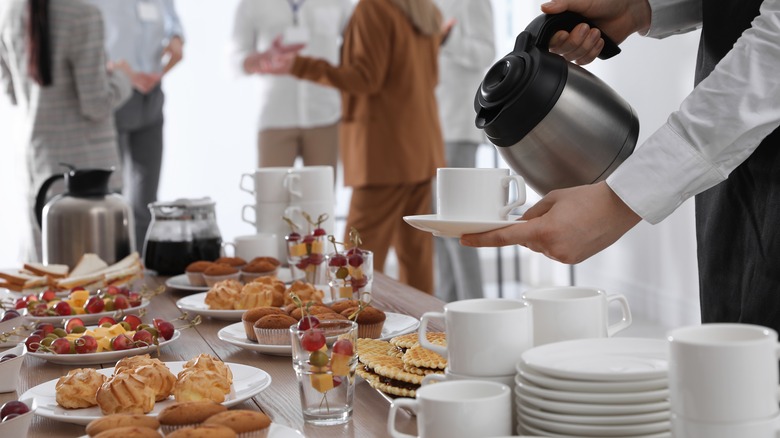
[{"x": 377, "y": 213}]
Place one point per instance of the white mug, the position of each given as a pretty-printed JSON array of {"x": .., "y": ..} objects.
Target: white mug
[
  {"x": 457, "y": 409},
  {"x": 254, "y": 245},
  {"x": 508, "y": 380},
  {"x": 268, "y": 219},
  {"x": 267, "y": 184},
  {"x": 485, "y": 336},
  {"x": 571, "y": 312},
  {"x": 476, "y": 194},
  {"x": 766, "y": 428},
  {"x": 724, "y": 372},
  {"x": 310, "y": 184}
]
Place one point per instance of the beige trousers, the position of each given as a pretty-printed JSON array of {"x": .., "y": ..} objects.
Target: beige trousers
[{"x": 316, "y": 146}]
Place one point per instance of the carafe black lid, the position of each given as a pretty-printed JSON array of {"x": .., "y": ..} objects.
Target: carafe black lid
[{"x": 88, "y": 182}]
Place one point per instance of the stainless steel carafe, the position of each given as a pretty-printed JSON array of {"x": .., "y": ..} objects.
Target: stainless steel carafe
[
  {"x": 87, "y": 218},
  {"x": 553, "y": 122}
]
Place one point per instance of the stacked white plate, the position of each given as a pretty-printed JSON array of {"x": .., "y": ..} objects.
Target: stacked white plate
[{"x": 607, "y": 387}]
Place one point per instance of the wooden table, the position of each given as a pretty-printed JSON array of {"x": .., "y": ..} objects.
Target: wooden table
[{"x": 281, "y": 401}]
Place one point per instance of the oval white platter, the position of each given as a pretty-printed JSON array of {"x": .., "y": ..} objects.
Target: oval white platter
[
  {"x": 247, "y": 382},
  {"x": 88, "y": 318},
  {"x": 196, "y": 304},
  {"x": 103, "y": 356},
  {"x": 396, "y": 324},
  {"x": 181, "y": 281}
]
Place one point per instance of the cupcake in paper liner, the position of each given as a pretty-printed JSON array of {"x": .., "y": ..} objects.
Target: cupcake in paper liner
[
  {"x": 274, "y": 329},
  {"x": 187, "y": 414},
  {"x": 370, "y": 321}
]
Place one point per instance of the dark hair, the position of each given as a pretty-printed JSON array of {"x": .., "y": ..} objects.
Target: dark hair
[{"x": 39, "y": 59}]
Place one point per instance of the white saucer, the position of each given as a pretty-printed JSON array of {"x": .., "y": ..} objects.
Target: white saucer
[
  {"x": 527, "y": 387},
  {"x": 589, "y": 408},
  {"x": 598, "y": 430},
  {"x": 540, "y": 432},
  {"x": 601, "y": 359},
  {"x": 432, "y": 223},
  {"x": 545, "y": 381},
  {"x": 649, "y": 417}
]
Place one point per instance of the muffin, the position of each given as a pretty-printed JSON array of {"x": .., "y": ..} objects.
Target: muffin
[
  {"x": 340, "y": 306},
  {"x": 114, "y": 421},
  {"x": 274, "y": 329},
  {"x": 195, "y": 270},
  {"x": 252, "y": 315},
  {"x": 189, "y": 413},
  {"x": 259, "y": 268},
  {"x": 297, "y": 313},
  {"x": 370, "y": 321},
  {"x": 332, "y": 316},
  {"x": 271, "y": 260},
  {"x": 236, "y": 262},
  {"x": 243, "y": 421},
  {"x": 220, "y": 272},
  {"x": 203, "y": 431}
]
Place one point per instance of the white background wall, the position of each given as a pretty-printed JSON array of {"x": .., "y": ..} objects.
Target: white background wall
[{"x": 210, "y": 142}]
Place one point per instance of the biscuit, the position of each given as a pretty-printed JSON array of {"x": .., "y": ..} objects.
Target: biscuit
[
  {"x": 410, "y": 340},
  {"x": 129, "y": 431},
  {"x": 115, "y": 421},
  {"x": 241, "y": 420},
  {"x": 203, "y": 431},
  {"x": 190, "y": 412},
  {"x": 419, "y": 357},
  {"x": 367, "y": 346}
]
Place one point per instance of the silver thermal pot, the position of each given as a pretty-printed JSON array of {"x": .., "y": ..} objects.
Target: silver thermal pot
[
  {"x": 552, "y": 121},
  {"x": 87, "y": 218}
]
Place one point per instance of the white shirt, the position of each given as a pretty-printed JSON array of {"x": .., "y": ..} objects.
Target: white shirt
[
  {"x": 285, "y": 101},
  {"x": 718, "y": 125},
  {"x": 463, "y": 61}
]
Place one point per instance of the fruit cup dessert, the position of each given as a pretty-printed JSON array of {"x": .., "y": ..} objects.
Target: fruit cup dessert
[
  {"x": 306, "y": 253},
  {"x": 349, "y": 273}
]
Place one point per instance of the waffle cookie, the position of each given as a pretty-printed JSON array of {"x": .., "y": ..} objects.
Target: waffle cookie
[
  {"x": 409, "y": 340},
  {"x": 418, "y": 360}
]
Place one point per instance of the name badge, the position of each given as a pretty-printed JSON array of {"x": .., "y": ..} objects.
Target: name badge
[
  {"x": 148, "y": 11},
  {"x": 296, "y": 35}
]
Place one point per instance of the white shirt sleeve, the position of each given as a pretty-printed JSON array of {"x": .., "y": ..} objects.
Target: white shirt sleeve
[
  {"x": 672, "y": 17},
  {"x": 244, "y": 36},
  {"x": 716, "y": 128}
]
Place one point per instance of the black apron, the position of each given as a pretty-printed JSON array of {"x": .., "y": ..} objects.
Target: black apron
[{"x": 738, "y": 221}]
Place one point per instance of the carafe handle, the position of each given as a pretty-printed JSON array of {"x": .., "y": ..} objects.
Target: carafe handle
[
  {"x": 40, "y": 199},
  {"x": 542, "y": 29}
]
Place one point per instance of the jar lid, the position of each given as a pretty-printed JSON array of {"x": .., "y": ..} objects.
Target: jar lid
[{"x": 184, "y": 203}]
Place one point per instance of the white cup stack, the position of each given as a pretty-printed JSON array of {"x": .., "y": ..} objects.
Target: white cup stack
[{"x": 724, "y": 381}]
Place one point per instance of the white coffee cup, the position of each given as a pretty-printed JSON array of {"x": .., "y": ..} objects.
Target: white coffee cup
[
  {"x": 290, "y": 184},
  {"x": 724, "y": 373},
  {"x": 485, "y": 336},
  {"x": 457, "y": 409},
  {"x": 476, "y": 194},
  {"x": 571, "y": 312},
  {"x": 254, "y": 245},
  {"x": 508, "y": 380},
  {"x": 765, "y": 428},
  {"x": 266, "y": 184}
]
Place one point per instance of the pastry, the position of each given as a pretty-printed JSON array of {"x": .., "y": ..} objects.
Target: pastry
[
  {"x": 129, "y": 431},
  {"x": 133, "y": 362},
  {"x": 191, "y": 412},
  {"x": 203, "y": 431},
  {"x": 254, "y": 295},
  {"x": 115, "y": 421},
  {"x": 274, "y": 329},
  {"x": 195, "y": 270},
  {"x": 223, "y": 295},
  {"x": 78, "y": 388},
  {"x": 241, "y": 420},
  {"x": 252, "y": 315},
  {"x": 200, "y": 384},
  {"x": 304, "y": 291},
  {"x": 220, "y": 272},
  {"x": 275, "y": 283},
  {"x": 208, "y": 362},
  {"x": 370, "y": 321},
  {"x": 125, "y": 393},
  {"x": 159, "y": 378}
]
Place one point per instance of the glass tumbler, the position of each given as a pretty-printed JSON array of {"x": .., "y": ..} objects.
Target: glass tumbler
[
  {"x": 306, "y": 257},
  {"x": 350, "y": 275},
  {"x": 324, "y": 358}
]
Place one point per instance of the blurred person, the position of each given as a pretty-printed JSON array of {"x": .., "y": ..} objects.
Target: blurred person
[
  {"x": 463, "y": 60},
  {"x": 390, "y": 137},
  {"x": 722, "y": 146},
  {"x": 52, "y": 64},
  {"x": 149, "y": 36},
  {"x": 297, "y": 118}
]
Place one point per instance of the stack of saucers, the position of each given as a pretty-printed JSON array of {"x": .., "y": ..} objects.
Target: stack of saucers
[{"x": 606, "y": 387}]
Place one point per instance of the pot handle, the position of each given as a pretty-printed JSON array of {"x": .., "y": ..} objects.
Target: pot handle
[
  {"x": 545, "y": 26},
  {"x": 40, "y": 199}
]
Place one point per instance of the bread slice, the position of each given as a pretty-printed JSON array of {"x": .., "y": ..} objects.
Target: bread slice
[
  {"x": 120, "y": 273},
  {"x": 88, "y": 263},
  {"x": 20, "y": 278},
  {"x": 54, "y": 271}
]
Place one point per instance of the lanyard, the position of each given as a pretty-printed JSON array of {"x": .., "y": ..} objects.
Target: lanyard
[{"x": 295, "y": 6}]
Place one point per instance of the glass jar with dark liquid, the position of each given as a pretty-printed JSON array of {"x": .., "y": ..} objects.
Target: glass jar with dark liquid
[{"x": 181, "y": 232}]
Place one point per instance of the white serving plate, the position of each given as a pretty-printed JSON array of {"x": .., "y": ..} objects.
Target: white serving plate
[
  {"x": 275, "y": 430},
  {"x": 616, "y": 430},
  {"x": 544, "y": 381},
  {"x": 396, "y": 324},
  {"x": 181, "y": 281},
  {"x": 601, "y": 359},
  {"x": 103, "y": 356},
  {"x": 247, "y": 382},
  {"x": 196, "y": 303},
  {"x": 432, "y": 223},
  {"x": 650, "y": 417},
  {"x": 589, "y": 408},
  {"x": 527, "y": 387},
  {"x": 88, "y": 318}
]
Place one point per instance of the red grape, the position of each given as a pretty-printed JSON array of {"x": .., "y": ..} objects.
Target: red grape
[
  {"x": 308, "y": 238},
  {"x": 293, "y": 237},
  {"x": 33, "y": 342},
  {"x": 39, "y": 309},
  {"x": 7, "y": 357},
  {"x": 75, "y": 288},
  {"x": 313, "y": 340},
  {"x": 355, "y": 260},
  {"x": 133, "y": 320},
  {"x": 9, "y": 314},
  {"x": 94, "y": 305},
  {"x": 121, "y": 302},
  {"x": 72, "y": 323},
  {"x": 338, "y": 260},
  {"x": 13, "y": 407},
  {"x": 344, "y": 347},
  {"x": 45, "y": 327},
  {"x": 107, "y": 319},
  {"x": 122, "y": 342},
  {"x": 308, "y": 322},
  {"x": 48, "y": 295},
  {"x": 20, "y": 303},
  {"x": 85, "y": 344},
  {"x": 142, "y": 338},
  {"x": 316, "y": 258},
  {"x": 357, "y": 283},
  {"x": 165, "y": 329},
  {"x": 319, "y": 232},
  {"x": 134, "y": 298},
  {"x": 63, "y": 309},
  {"x": 112, "y": 290},
  {"x": 60, "y": 346}
]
